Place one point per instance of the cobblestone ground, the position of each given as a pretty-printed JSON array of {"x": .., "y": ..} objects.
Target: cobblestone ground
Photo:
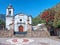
[{"x": 37, "y": 41}]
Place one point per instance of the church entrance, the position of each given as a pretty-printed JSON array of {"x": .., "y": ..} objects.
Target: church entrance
[{"x": 21, "y": 28}]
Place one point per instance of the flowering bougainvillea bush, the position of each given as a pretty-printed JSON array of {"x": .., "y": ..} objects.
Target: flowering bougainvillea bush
[{"x": 48, "y": 16}]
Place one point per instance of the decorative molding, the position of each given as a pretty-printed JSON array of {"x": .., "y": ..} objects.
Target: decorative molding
[{"x": 20, "y": 23}]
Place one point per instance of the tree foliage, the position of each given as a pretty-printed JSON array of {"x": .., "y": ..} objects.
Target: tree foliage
[
  {"x": 56, "y": 22},
  {"x": 2, "y": 22},
  {"x": 52, "y": 16},
  {"x": 37, "y": 20},
  {"x": 48, "y": 16}
]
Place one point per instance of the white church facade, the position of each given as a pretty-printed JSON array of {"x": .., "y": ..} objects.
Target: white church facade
[{"x": 19, "y": 22}]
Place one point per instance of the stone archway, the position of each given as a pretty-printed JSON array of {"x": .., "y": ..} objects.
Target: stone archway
[{"x": 20, "y": 28}]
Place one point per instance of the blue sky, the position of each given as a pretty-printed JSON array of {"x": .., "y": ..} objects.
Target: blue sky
[{"x": 29, "y": 7}]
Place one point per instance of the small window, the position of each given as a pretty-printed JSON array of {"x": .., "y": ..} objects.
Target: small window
[{"x": 20, "y": 19}]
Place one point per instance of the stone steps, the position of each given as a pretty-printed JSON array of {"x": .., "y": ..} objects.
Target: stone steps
[{"x": 19, "y": 35}]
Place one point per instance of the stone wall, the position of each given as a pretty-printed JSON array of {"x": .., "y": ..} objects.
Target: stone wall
[
  {"x": 39, "y": 33},
  {"x": 5, "y": 33},
  {"x": 36, "y": 33}
]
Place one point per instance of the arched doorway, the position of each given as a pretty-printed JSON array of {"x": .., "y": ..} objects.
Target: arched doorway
[{"x": 20, "y": 28}]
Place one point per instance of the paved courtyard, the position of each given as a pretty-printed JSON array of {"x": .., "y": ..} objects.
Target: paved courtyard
[{"x": 33, "y": 41}]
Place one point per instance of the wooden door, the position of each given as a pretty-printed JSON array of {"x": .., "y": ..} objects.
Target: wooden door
[{"x": 20, "y": 28}]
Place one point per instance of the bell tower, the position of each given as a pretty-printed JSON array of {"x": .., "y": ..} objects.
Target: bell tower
[
  {"x": 9, "y": 11},
  {"x": 9, "y": 16}
]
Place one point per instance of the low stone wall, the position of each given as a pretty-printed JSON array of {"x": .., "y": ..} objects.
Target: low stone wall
[
  {"x": 38, "y": 33},
  {"x": 5, "y": 33}
]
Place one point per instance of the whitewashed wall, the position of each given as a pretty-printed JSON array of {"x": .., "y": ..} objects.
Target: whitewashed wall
[
  {"x": 8, "y": 22},
  {"x": 24, "y": 20},
  {"x": 17, "y": 20}
]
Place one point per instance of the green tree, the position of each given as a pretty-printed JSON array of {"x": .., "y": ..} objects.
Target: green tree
[
  {"x": 2, "y": 22},
  {"x": 37, "y": 20},
  {"x": 56, "y": 22}
]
